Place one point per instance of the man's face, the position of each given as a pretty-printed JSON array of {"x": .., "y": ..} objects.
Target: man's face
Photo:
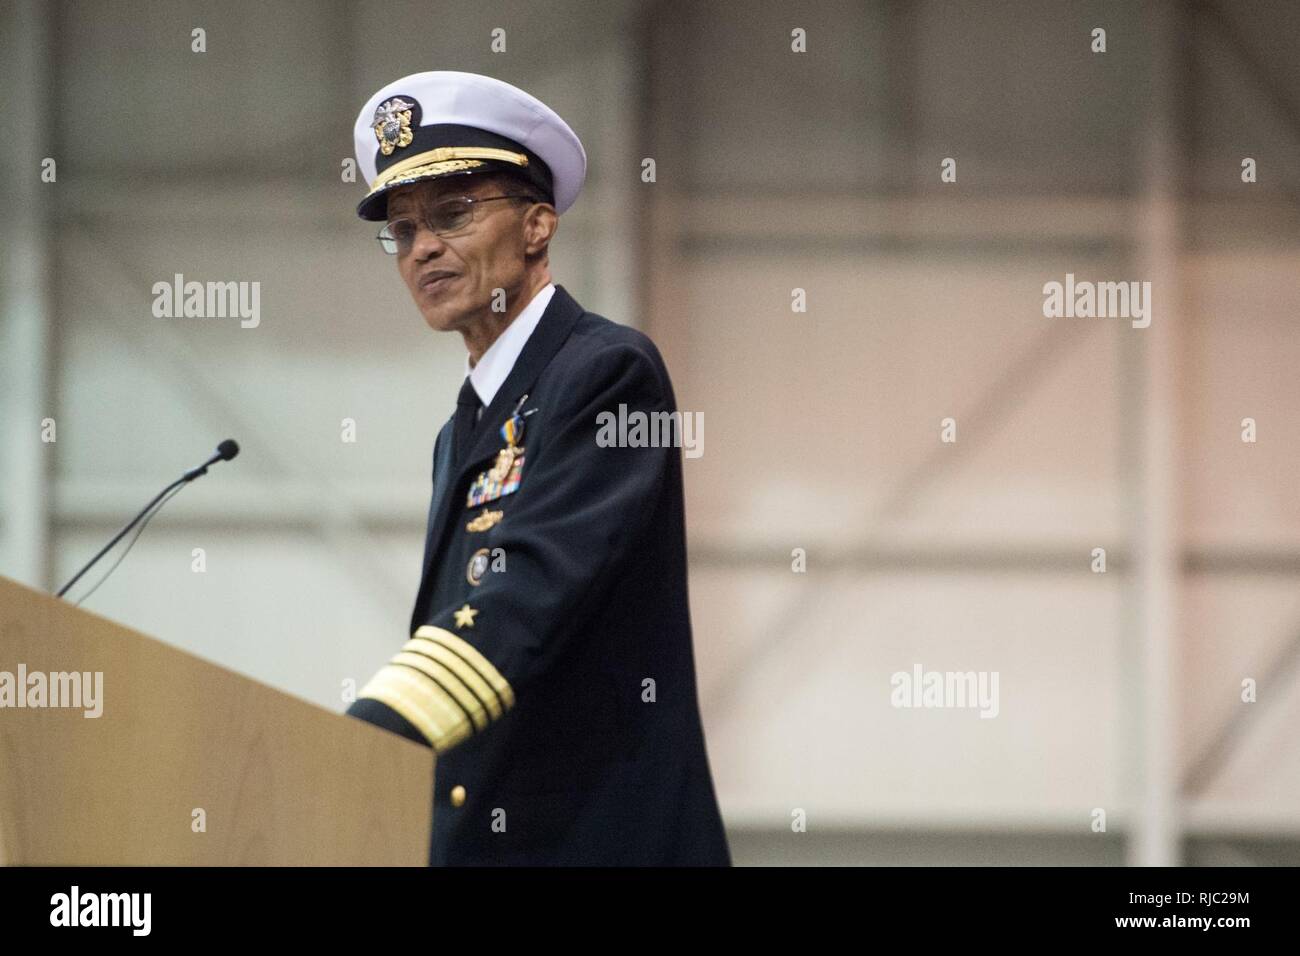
[{"x": 486, "y": 254}]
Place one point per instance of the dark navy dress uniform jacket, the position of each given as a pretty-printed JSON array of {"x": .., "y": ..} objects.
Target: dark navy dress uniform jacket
[{"x": 559, "y": 692}]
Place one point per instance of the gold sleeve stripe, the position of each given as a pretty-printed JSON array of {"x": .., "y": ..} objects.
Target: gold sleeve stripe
[
  {"x": 409, "y": 707},
  {"x": 445, "y": 710},
  {"x": 422, "y": 703},
  {"x": 466, "y": 652},
  {"x": 448, "y": 683},
  {"x": 475, "y": 684}
]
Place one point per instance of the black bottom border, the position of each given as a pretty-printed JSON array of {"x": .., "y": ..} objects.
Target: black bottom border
[{"x": 928, "y": 904}]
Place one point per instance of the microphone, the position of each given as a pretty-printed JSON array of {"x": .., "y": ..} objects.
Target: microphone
[{"x": 227, "y": 450}]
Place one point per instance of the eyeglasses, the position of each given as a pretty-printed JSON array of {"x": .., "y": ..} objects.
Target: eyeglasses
[{"x": 445, "y": 218}]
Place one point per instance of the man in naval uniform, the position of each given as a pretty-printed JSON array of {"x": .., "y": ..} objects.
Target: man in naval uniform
[{"x": 550, "y": 665}]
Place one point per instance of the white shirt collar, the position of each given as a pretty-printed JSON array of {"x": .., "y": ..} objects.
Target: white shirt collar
[{"x": 490, "y": 373}]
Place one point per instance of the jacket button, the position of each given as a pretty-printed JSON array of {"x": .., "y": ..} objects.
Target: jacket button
[{"x": 457, "y": 795}]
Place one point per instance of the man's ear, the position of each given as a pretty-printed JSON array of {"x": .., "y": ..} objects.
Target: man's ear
[{"x": 540, "y": 225}]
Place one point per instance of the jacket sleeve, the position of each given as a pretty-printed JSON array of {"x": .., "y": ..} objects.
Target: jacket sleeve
[{"x": 582, "y": 505}]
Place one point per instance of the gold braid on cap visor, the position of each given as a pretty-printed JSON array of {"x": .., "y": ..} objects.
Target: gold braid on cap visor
[{"x": 444, "y": 159}]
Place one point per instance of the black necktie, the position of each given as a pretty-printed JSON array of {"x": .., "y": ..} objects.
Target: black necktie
[{"x": 467, "y": 412}]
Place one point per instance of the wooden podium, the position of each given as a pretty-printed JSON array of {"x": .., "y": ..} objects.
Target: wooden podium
[{"x": 278, "y": 781}]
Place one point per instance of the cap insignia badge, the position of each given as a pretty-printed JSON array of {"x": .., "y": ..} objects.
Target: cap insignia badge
[{"x": 392, "y": 125}]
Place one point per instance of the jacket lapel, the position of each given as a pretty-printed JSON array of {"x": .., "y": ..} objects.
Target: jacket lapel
[
  {"x": 561, "y": 314},
  {"x": 557, "y": 322},
  {"x": 441, "y": 478}
]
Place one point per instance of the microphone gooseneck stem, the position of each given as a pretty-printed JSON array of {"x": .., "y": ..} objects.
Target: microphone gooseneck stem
[
  {"x": 118, "y": 537},
  {"x": 227, "y": 450}
]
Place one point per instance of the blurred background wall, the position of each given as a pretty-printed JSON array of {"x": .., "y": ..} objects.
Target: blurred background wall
[{"x": 774, "y": 171}]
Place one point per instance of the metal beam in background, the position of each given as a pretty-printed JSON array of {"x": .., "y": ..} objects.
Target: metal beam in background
[
  {"x": 1215, "y": 20},
  {"x": 1214, "y": 756},
  {"x": 1153, "y": 597},
  {"x": 897, "y": 557},
  {"x": 24, "y": 362},
  {"x": 1029, "y": 556}
]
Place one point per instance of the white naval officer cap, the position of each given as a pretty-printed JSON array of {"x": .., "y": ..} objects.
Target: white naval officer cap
[{"x": 446, "y": 123}]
